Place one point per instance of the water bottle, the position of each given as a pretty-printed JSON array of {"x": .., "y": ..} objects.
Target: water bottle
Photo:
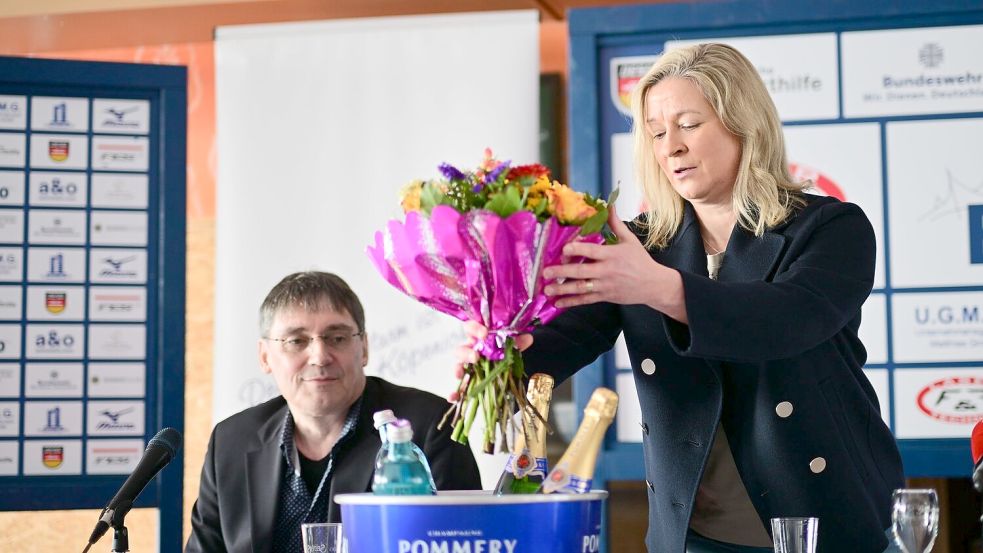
[
  {"x": 382, "y": 420},
  {"x": 402, "y": 471}
]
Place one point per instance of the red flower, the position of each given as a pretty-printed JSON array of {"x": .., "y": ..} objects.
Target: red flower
[{"x": 534, "y": 171}]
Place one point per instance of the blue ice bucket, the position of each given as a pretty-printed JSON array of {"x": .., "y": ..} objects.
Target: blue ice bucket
[{"x": 476, "y": 522}]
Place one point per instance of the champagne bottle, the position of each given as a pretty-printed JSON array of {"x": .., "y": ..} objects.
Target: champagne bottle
[
  {"x": 575, "y": 471},
  {"x": 526, "y": 468},
  {"x": 402, "y": 471}
]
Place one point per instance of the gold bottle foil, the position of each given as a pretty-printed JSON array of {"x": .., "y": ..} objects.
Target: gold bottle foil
[{"x": 575, "y": 471}]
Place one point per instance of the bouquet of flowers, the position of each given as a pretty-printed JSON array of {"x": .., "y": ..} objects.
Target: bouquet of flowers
[{"x": 473, "y": 245}]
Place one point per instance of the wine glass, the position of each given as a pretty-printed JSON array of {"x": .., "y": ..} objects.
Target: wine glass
[{"x": 915, "y": 519}]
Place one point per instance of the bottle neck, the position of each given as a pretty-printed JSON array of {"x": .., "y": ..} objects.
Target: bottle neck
[{"x": 581, "y": 455}]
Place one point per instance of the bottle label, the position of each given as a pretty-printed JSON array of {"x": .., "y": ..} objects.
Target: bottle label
[
  {"x": 561, "y": 481},
  {"x": 525, "y": 464}
]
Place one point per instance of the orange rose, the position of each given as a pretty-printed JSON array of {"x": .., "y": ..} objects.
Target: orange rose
[{"x": 568, "y": 205}]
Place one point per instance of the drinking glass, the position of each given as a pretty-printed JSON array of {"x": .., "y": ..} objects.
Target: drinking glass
[
  {"x": 915, "y": 519},
  {"x": 323, "y": 537},
  {"x": 795, "y": 534}
]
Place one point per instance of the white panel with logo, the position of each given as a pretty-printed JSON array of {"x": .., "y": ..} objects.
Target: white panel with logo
[
  {"x": 937, "y": 327},
  {"x": 52, "y": 457},
  {"x": 935, "y": 175},
  {"x": 912, "y": 71},
  {"x": 800, "y": 71},
  {"x": 937, "y": 402}
]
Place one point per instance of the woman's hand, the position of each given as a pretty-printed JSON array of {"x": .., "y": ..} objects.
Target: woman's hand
[
  {"x": 466, "y": 354},
  {"x": 622, "y": 273}
]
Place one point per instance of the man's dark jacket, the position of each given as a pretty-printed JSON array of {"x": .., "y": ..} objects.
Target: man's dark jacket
[{"x": 243, "y": 469}]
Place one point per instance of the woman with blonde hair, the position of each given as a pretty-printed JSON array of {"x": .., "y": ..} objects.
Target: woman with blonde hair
[{"x": 739, "y": 297}]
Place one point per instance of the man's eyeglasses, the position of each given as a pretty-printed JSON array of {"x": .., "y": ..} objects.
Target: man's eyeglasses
[{"x": 335, "y": 341}]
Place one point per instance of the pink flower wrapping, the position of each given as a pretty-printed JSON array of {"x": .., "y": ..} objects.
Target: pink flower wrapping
[{"x": 476, "y": 266}]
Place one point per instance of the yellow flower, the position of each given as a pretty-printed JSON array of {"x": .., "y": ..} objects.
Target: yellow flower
[
  {"x": 410, "y": 196},
  {"x": 538, "y": 191},
  {"x": 568, "y": 205}
]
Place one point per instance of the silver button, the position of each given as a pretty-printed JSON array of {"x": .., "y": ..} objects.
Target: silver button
[
  {"x": 817, "y": 465},
  {"x": 784, "y": 409},
  {"x": 648, "y": 366}
]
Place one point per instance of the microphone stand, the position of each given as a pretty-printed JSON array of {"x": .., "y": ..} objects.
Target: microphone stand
[{"x": 121, "y": 537}]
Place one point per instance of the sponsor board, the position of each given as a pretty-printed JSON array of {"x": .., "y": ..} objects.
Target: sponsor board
[
  {"x": 879, "y": 381},
  {"x": 800, "y": 71},
  {"x": 11, "y": 226},
  {"x": 9, "y": 379},
  {"x": 873, "y": 328},
  {"x": 625, "y": 74},
  {"x": 10, "y": 303},
  {"x": 13, "y": 112},
  {"x": 13, "y": 150},
  {"x": 56, "y": 265},
  {"x": 49, "y": 226},
  {"x": 117, "y": 303},
  {"x": 119, "y": 116},
  {"x": 115, "y": 228},
  {"x": 115, "y": 418},
  {"x": 843, "y": 161},
  {"x": 107, "y": 341},
  {"x": 58, "y": 189},
  {"x": 629, "y": 418},
  {"x": 53, "y": 380},
  {"x": 937, "y": 327},
  {"x": 61, "y": 151},
  {"x": 121, "y": 191},
  {"x": 630, "y": 200},
  {"x": 52, "y": 457},
  {"x": 112, "y": 456},
  {"x": 127, "y": 266},
  {"x": 117, "y": 380},
  {"x": 120, "y": 153},
  {"x": 59, "y": 114},
  {"x": 11, "y": 188},
  {"x": 11, "y": 264},
  {"x": 9, "y": 418},
  {"x": 10, "y": 341},
  {"x": 55, "y": 303},
  {"x": 912, "y": 71},
  {"x": 55, "y": 341},
  {"x": 937, "y": 402},
  {"x": 935, "y": 175},
  {"x": 9, "y": 458},
  {"x": 52, "y": 418}
]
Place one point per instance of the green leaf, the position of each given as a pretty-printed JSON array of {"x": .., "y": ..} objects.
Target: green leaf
[
  {"x": 505, "y": 203},
  {"x": 613, "y": 197},
  {"x": 430, "y": 197},
  {"x": 595, "y": 223}
]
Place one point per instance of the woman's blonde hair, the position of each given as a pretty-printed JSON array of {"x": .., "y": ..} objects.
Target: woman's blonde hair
[{"x": 764, "y": 193}]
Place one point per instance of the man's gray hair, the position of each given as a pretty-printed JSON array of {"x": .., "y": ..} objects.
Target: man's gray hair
[{"x": 311, "y": 291}]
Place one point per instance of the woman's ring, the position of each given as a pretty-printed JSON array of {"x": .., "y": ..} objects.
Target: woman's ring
[{"x": 589, "y": 286}]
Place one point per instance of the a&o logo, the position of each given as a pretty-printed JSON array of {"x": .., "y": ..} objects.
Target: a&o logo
[{"x": 957, "y": 399}]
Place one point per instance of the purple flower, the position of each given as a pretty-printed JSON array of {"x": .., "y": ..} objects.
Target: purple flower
[
  {"x": 493, "y": 175},
  {"x": 450, "y": 172}
]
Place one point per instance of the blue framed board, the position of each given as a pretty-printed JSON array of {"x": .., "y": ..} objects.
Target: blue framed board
[
  {"x": 92, "y": 271},
  {"x": 882, "y": 103}
]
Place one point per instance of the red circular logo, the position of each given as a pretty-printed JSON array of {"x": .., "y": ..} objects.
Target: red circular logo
[
  {"x": 957, "y": 399},
  {"x": 820, "y": 182}
]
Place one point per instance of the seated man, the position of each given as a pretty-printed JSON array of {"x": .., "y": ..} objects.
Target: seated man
[{"x": 277, "y": 465}]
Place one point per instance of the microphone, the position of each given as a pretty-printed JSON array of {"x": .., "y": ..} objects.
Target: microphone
[
  {"x": 976, "y": 446},
  {"x": 160, "y": 450}
]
